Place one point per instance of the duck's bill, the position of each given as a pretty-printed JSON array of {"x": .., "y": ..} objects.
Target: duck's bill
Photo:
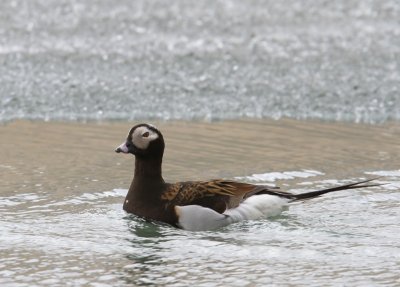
[{"x": 122, "y": 148}]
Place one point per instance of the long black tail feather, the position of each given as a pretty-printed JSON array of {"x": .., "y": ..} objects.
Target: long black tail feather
[{"x": 313, "y": 194}]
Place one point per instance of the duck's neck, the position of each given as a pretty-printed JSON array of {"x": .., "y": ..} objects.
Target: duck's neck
[
  {"x": 147, "y": 180},
  {"x": 148, "y": 169}
]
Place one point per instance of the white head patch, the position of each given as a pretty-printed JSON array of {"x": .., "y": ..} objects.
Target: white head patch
[{"x": 142, "y": 136}]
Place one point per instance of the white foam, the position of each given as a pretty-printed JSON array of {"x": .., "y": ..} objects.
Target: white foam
[
  {"x": 20, "y": 199},
  {"x": 86, "y": 198},
  {"x": 385, "y": 172},
  {"x": 98, "y": 195},
  {"x": 120, "y": 191},
  {"x": 273, "y": 176}
]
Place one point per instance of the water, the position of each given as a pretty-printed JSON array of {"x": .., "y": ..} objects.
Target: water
[
  {"x": 318, "y": 67},
  {"x": 351, "y": 238},
  {"x": 62, "y": 222},
  {"x": 209, "y": 60}
]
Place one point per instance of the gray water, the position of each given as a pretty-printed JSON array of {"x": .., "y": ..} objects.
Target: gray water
[{"x": 99, "y": 60}]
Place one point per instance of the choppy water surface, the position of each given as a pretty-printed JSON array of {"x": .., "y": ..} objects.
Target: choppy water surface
[
  {"x": 66, "y": 59},
  {"x": 349, "y": 238}
]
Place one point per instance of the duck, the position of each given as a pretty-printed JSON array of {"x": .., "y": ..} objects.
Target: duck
[{"x": 199, "y": 205}]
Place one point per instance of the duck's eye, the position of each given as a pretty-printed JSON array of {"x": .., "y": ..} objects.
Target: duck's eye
[{"x": 146, "y": 134}]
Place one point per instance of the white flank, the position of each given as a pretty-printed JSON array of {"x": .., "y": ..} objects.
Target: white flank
[
  {"x": 196, "y": 218},
  {"x": 256, "y": 206}
]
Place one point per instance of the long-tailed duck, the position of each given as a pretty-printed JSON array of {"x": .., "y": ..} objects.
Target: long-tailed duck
[{"x": 198, "y": 205}]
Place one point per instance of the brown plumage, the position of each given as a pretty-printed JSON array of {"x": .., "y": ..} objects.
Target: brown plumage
[
  {"x": 217, "y": 194},
  {"x": 149, "y": 196}
]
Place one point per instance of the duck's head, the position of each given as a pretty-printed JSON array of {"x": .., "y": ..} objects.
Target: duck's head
[{"x": 144, "y": 141}]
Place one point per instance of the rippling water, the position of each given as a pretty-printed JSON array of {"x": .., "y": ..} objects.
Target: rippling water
[
  {"x": 347, "y": 238},
  {"x": 204, "y": 60}
]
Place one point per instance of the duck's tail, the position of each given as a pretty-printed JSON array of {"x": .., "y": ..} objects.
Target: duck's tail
[{"x": 316, "y": 193}]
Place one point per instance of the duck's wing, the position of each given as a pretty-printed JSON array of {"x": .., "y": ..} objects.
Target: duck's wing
[
  {"x": 215, "y": 194},
  {"x": 221, "y": 195},
  {"x": 217, "y": 203}
]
